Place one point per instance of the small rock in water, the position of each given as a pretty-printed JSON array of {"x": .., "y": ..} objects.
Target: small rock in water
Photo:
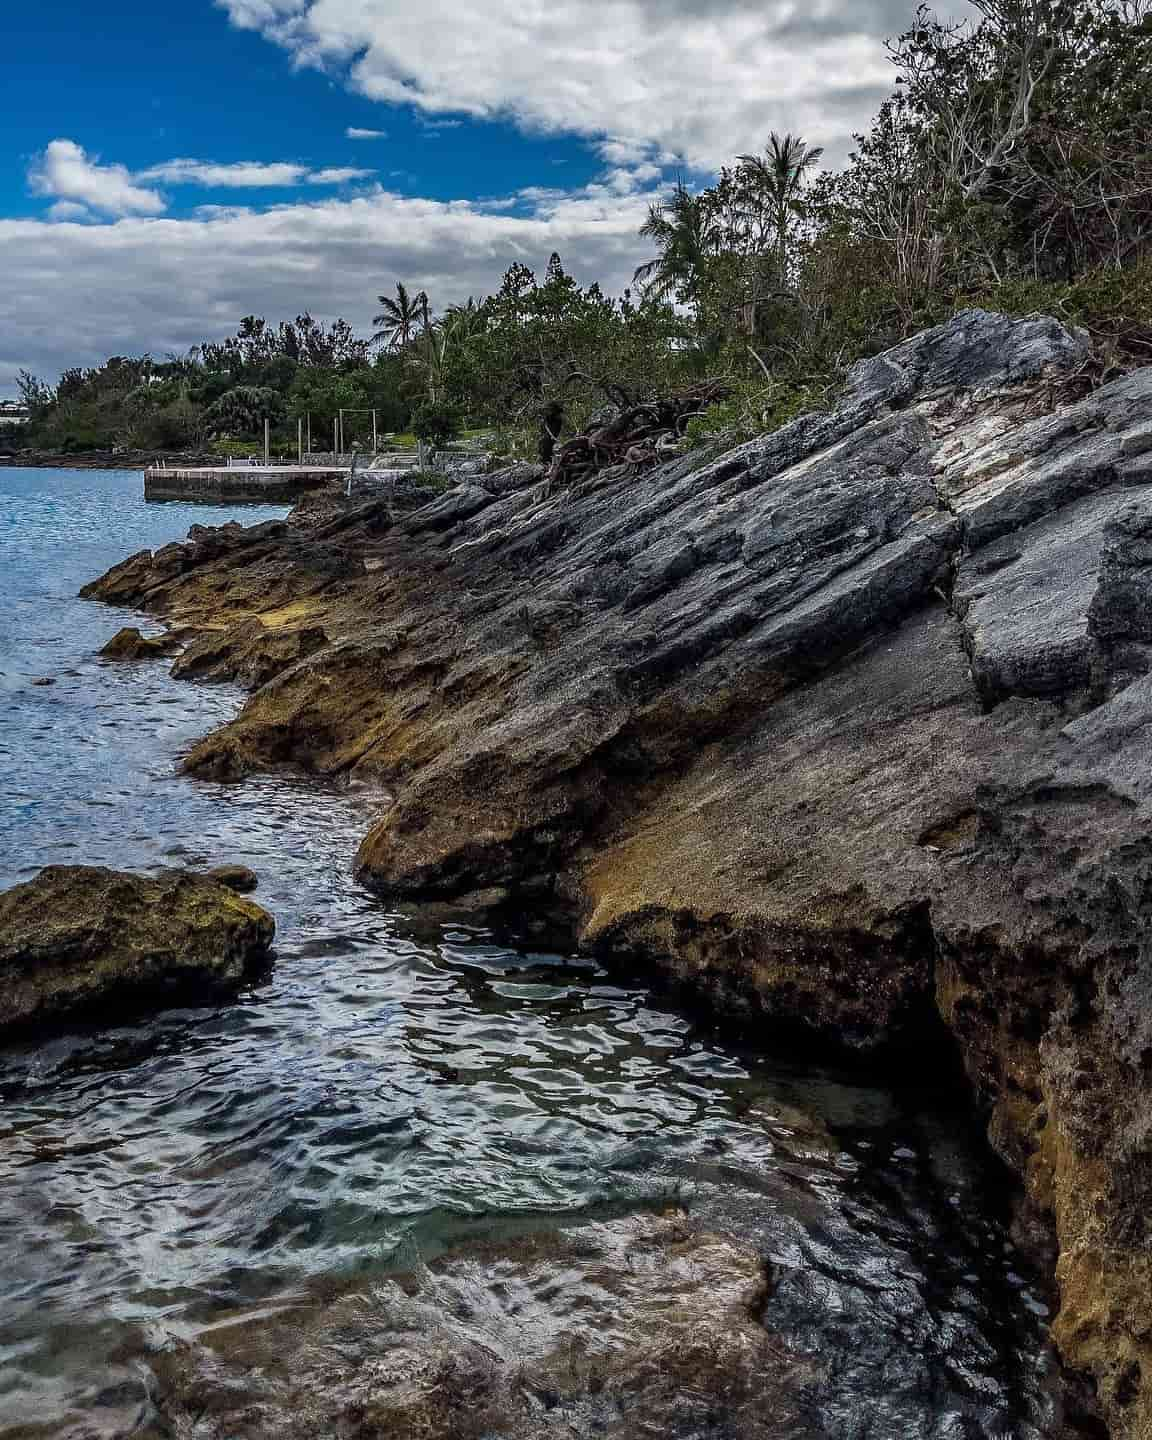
[
  {"x": 235, "y": 877},
  {"x": 129, "y": 644},
  {"x": 44, "y": 680},
  {"x": 79, "y": 939}
]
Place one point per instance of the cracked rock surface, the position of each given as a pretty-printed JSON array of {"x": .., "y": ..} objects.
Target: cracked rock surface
[{"x": 846, "y": 730}]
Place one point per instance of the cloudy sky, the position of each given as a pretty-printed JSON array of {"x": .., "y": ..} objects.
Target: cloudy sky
[{"x": 163, "y": 174}]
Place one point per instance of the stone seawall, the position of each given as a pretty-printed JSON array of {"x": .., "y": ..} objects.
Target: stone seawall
[{"x": 227, "y": 486}]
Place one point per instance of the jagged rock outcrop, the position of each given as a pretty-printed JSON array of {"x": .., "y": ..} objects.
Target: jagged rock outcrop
[
  {"x": 80, "y": 940},
  {"x": 846, "y": 730}
]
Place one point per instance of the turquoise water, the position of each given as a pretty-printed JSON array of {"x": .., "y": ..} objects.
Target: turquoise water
[{"x": 398, "y": 1088}]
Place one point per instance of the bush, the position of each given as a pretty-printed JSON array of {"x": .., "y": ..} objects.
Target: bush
[
  {"x": 435, "y": 424},
  {"x": 758, "y": 410},
  {"x": 1113, "y": 305},
  {"x": 238, "y": 449},
  {"x": 244, "y": 409}
]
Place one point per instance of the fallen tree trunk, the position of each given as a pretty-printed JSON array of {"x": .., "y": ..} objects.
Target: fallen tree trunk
[{"x": 640, "y": 435}]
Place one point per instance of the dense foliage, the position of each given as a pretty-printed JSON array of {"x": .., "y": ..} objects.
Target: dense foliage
[{"x": 1012, "y": 167}]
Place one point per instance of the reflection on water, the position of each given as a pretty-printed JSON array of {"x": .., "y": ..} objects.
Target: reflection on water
[{"x": 394, "y": 1092}]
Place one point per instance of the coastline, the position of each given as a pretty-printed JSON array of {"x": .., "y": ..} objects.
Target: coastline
[
  {"x": 784, "y": 751},
  {"x": 102, "y": 459},
  {"x": 466, "y": 1098}
]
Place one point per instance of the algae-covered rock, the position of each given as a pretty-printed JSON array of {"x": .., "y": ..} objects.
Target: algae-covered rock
[
  {"x": 251, "y": 652},
  {"x": 144, "y": 570},
  {"x": 80, "y": 939}
]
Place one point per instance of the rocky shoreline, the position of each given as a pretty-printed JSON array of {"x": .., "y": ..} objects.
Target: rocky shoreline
[
  {"x": 102, "y": 459},
  {"x": 844, "y": 731}
]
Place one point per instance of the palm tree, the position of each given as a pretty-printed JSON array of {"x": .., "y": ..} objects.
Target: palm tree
[
  {"x": 427, "y": 358},
  {"x": 685, "y": 236},
  {"x": 397, "y": 318},
  {"x": 464, "y": 321},
  {"x": 779, "y": 175}
]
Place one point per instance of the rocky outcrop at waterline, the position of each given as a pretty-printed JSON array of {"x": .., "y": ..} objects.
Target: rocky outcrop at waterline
[
  {"x": 80, "y": 941},
  {"x": 846, "y": 729},
  {"x": 130, "y": 644}
]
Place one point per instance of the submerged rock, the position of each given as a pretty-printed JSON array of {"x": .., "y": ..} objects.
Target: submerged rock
[
  {"x": 845, "y": 731},
  {"x": 79, "y": 940},
  {"x": 626, "y": 1328},
  {"x": 235, "y": 877}
]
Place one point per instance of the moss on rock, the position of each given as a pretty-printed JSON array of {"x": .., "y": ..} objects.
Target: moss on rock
[{"x": 79, "y": 940}]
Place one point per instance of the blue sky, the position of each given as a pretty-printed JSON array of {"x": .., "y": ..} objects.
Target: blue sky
[
  {"x": 165, "y": 170},
  {"x": 138, "y": 90}
]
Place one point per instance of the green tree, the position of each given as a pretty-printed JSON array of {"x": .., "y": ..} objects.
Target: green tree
[
  {"x": 779, "y": 176},
  {"x": 243, "y": 411},
  {"x": 435, "y": 424},
  {"x": 399, "y": 317},
  {"x": 37, "y": 397},
  {"x": 684, "y": 231}
]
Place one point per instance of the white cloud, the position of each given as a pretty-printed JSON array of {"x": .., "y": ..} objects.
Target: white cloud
[
  {"x": 70, "y": 210},
  {"x": 701, "y": 79},
  {"x": 338, "y": 175},
  {"x": 85, "y": 189},
  {"x": 166, "y": 284},
  {"x": 68, "y": 175},
  {"x": 354, "y": 132},
  {"x": 246, "y": 174}
]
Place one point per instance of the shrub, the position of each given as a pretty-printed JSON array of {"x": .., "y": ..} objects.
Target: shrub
[{"x": 435, "y": 424}]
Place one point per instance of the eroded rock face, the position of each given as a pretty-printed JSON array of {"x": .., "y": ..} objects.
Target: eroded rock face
[
  {"x": 80, "y": 940},
  {"x": 846, "y": 730},
  {"x": 250, "y": 652}
]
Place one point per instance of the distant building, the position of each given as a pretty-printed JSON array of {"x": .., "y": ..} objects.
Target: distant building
[{"x": 13, "y": 412}]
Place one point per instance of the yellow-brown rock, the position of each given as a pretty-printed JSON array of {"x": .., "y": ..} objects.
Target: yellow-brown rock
[
  {"x": 80, "y": 941},
  {"x": 130, "y": 644}
]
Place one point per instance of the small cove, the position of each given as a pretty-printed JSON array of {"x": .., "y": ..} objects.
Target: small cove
[{"x": 396, "y": 1091}]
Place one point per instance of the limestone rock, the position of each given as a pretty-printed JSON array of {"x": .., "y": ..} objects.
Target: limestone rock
[
  {"x": 250, "y": 652},
  {"x": 145, "y": 572},
  {"x": 657, "y": 1335},
  {"x": 81, "y": 940},
  {"x": 139, "y": 573}
]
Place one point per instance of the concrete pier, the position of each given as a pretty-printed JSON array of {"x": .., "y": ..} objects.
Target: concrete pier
[{"x": 229, "y": 485}]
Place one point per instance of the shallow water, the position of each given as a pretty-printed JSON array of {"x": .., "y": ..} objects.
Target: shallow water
[{"x": 396, "y": 1090}]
